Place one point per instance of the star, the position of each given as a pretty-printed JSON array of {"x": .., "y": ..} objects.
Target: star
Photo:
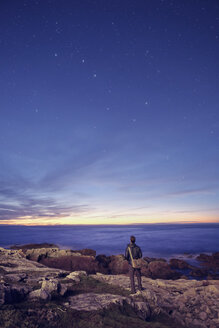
[
  {"x": 58, "y": 31},
  {"x": 94, "y": 75}
]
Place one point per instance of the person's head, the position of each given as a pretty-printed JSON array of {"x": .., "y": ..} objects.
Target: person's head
[{"x": 132, "y": 239}]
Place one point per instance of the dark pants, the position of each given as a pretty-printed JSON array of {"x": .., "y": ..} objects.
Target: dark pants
[{"x": 132, "y": 272}]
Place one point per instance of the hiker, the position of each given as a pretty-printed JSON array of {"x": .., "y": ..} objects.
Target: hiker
[{"x": 132, "y": 253}]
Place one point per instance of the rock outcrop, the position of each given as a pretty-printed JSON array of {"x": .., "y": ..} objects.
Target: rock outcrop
[
  {"x": 210, "y": 264},
  {"x": 179, "y": 264},
  {"x": 189, "y": 303},
  {"x": 185, "y": 303},
  {"x": 32, "y": 246},
  {"x": 87, "y": 260},
  {"x": 19, "y": 277},
  {"x": 160, "y": 269}
]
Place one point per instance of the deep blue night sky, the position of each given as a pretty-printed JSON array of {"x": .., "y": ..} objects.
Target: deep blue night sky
[{"x": 109, "y": 111}]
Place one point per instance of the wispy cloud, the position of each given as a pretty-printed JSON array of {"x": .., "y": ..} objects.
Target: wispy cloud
[
  {"x": 37, "y": 208},
  {"x": 22, "y": 201},
  {"x": 196, "y": 191}
]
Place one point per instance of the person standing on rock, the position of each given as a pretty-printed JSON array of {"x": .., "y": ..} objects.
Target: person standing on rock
[{"x": 132, "y": 253}]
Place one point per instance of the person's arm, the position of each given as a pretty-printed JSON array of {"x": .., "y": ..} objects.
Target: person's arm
[
  {"x": 127, "y": 254},
  {"x": 140, "y": 253}
]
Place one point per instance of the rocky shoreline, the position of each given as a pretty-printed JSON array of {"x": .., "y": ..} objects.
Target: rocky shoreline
[
  {"x": 44, "y": 286},
  {"x": 156, "y": 268}
]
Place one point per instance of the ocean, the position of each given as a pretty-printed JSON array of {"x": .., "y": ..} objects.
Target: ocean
[{"x": 155, "y": 240}]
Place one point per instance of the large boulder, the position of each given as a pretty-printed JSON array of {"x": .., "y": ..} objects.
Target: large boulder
[
  {"x": 64, "y": 258},
  {"x": 145, "y": 269},
  {"x": 161, "y": 270},
  {"x": 76, "y": 275},
  {"x": 36, "y": 254},
  {"x": 210, "y": 263},
  {"x": 50, "y": 285},
  {"x": 12, "y": 293},
  {"x": 179, "y": 264},
  {"x": 40, "y": 294},
  {"x": 216, "y": 256},
  {"x": 72, "y": 263},
  {"x": 152, "y": 259},
  {"x": 118, "y": 264},
  {"x": 199, "y": 273},
  {"x": 87, "y": 251},
  {"x": 103, "y": 263},
  {"x": 204, "y": 257},
  {"x": 40, "y": 253}
]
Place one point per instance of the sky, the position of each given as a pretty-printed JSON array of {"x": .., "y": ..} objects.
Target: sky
[{"x": 109, "y": 111}]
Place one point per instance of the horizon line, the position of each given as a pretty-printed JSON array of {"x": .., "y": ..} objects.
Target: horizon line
[{"x": 112, "y": 224}]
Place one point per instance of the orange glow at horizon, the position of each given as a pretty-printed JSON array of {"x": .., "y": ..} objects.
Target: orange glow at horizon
[{"x": 101, "y": 220}]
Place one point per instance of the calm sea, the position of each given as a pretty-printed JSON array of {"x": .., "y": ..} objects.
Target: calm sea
[{"x": 156, "y": 240}]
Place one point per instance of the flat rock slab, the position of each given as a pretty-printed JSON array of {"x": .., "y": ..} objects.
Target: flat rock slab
[
  {"x": 13, "y": 262},
  {"x": 92, "y": 301},
  {"x": 191, "y": 303}
]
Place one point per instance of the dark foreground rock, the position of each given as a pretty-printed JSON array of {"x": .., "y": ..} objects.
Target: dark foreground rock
[
  {"x": 33, "y": 295},
  {"x": 54, "y": 315},
  {"x": 189, "y": 303}
]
